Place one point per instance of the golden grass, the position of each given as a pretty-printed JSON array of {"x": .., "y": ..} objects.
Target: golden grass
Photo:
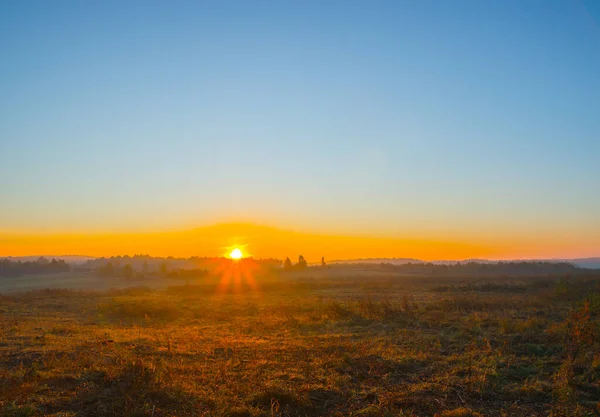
[{"x": 302, "y": 348}]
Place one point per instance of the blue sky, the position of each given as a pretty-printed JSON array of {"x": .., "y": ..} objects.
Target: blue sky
[{"x": 459, "y": 120}]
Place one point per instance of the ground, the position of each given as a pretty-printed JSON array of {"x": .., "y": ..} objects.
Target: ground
[{"x": 302, "y": 346}]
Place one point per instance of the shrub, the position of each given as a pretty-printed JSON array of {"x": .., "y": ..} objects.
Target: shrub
[{"x": 580, "y": 329}]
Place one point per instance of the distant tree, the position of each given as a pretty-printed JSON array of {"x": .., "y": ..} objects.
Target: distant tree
[
  {"x": 164, "y": 268},
  {"x": 57, "y": 266},
  {"x": 106, "y": 270},
  {"x": 301, "y": 262},
  {"x": 128, "y": 271},
  {"x": 287, "y": 264},
  {"x": 323, "y": 264},
  {"x": 43, "y": 261}
]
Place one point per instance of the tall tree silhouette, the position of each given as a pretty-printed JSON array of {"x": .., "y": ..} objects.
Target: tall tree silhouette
[{"x": 301, "y": 262}]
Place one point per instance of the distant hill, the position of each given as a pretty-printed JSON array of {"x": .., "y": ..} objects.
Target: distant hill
[
  {"x": 392, "y": 261},
  {"x": 591, "y": 263}
]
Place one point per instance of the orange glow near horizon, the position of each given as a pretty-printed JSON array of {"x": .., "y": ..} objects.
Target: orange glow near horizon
[{"x": 270, "y": 242}]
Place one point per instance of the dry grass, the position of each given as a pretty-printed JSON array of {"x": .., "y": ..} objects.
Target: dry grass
[{"x": 304, "y": 347}]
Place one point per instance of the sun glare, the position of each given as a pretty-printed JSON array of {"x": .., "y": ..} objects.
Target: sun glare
[{"x": 236, "y": 254}]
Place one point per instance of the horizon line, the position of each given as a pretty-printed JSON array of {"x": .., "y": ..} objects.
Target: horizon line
[{"x": 524, "y": 259}]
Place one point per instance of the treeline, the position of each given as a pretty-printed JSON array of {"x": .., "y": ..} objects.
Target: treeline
[
  {"x": 10, "y": 268},
  {"x": 477, "y": 269},
  {"x": 152, "y": 264},
  {"x": 300, "y": 265},
  {"x": 140, "y": 266}
]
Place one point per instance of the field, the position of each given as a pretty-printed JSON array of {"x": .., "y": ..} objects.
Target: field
[
  {"x": 302, "y": 345},
  {"x": 78, "y": 281}
]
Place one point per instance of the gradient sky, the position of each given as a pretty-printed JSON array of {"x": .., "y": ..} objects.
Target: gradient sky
[{"x": 476, "y": 122}]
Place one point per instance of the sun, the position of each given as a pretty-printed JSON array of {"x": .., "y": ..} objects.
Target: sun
[{"x": 236, "y": 254}]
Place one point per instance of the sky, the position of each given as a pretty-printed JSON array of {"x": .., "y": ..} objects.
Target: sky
[{"x": 463, "y": 123}]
